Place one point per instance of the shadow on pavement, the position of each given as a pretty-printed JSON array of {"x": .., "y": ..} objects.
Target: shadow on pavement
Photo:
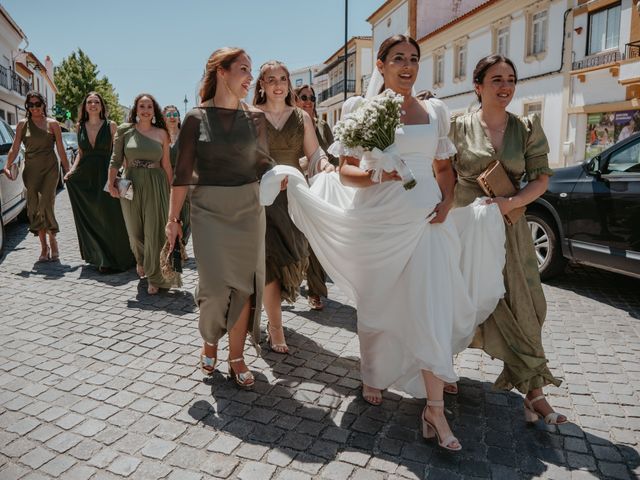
[
  {"x": 307, "y": 406},
  {"x": 175, "y": 301}
]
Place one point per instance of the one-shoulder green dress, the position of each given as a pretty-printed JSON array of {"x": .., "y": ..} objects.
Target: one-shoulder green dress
[
  {"x": 513, "y": 333},
  {"x": 146, "y": 215},
  {"x": 40, "y": 176},
  {"x": 102, "y": 235}
]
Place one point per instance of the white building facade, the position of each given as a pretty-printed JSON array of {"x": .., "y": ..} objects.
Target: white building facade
[{"x": 13, "y": 86}]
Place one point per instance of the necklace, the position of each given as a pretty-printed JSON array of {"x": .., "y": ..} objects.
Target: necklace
[
  {"x": 493, "y": 129},
  {"x": 277, "y": 120}
]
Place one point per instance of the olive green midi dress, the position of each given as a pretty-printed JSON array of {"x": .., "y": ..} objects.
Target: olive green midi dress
[
  {"x": 102, "y": 235},
  {"x": 40, "y": 176},
  {"x": 513, "y": 333}
]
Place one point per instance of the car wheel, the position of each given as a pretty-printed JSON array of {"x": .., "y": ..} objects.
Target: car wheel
[{"x": 546, "y": 244}]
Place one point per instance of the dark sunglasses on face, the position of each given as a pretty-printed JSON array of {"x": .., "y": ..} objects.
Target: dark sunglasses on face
[
  {"x": 34, "y": 105},
  {"x": 310, "y": 98},
  {"x": 172, "y": 114}
]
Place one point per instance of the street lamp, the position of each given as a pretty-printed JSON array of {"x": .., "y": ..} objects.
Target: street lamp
[
  {"x": 185, "y": 104},
  {"x": 346, "y": 40}
]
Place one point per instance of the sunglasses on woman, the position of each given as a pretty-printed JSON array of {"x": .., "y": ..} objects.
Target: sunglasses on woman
[
  {"x": 34, "y": 104},
  {"x": 172, "y": 114},
  {"x": 308, "y": 98}
]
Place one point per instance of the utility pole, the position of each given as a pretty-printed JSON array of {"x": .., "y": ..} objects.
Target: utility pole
[
  {"x": 346, "y": 40},
  {"x": 185, "y": 104}
]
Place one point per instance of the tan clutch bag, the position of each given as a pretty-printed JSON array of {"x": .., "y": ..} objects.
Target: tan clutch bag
[{"x": 495, "y": 182}]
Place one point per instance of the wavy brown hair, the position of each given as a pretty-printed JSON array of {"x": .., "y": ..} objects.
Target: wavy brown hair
[
  {"x": 83, "y": 116},
  {"x": 389, "y": 43},
  {"x": 221, "y": 58},
  {"x": 133, "y": 114},
  {"x": 260, "y": 97},
  {"x": 38, "y": 95}
]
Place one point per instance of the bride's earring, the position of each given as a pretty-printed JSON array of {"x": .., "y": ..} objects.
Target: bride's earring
[{"x": 153, "y": 119}]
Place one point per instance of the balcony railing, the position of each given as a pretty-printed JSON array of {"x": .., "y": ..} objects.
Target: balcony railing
[
  {"x": 336, "y": 89},
  {"x": 632, "y": 50},
  {"x": 12, "y": 81},
  {"x": 597, "y": 60}
]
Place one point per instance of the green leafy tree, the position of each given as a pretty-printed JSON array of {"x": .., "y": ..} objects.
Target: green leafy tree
[{"x": 76, "y": 76}]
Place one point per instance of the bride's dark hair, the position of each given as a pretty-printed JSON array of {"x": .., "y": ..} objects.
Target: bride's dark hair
[{"x": 389, "y": 43}]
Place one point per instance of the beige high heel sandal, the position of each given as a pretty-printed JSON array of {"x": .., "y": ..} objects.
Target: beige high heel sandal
[
  {"x": 430, "y": 431},
  {"x": 208, "y": 364},
  {"x": 276, "y": 347},
  {"x": 531, "y": 415},
  {"x": 244, "y": 379}
]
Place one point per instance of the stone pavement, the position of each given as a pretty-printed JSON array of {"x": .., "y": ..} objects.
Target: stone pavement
[{"x": 98, "y": 380}]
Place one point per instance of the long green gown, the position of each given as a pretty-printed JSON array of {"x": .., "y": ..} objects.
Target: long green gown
[
  {"x": 513, "y": 333},
  {"x": 102, "y": 235},
  {"x": 146, "y": 215},
  {"x": 40, "y": 177}
]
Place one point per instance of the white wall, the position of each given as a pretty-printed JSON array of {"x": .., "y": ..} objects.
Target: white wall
[{"x": 385, "y": 28}]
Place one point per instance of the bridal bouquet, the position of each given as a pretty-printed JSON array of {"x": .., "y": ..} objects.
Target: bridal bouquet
[{"x": 371, "y": 130}]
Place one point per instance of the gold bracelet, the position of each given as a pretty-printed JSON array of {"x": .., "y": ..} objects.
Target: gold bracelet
[{"x": 175, "y": 220}]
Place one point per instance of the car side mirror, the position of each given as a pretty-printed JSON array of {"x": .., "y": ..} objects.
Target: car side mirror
[{"x": 594, "y": 167}]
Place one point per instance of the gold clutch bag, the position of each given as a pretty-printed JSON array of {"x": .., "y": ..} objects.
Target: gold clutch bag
[{"x": 495, "y": 182}]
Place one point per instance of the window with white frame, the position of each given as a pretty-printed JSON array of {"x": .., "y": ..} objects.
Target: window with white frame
[
  {"x": 532, "y": 107},
  {"x": 538, "y": 32},
  {"x": 502, "y": 41},
  {"x": 438, "y": 69},
  {"x": 604, "y": 29},
  {"x": 460, "y": 64}
]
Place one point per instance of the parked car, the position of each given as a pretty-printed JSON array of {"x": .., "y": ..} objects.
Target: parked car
[
  {"x": 590, "y": 213},
  {"x": 70, "y": 140},
  {"x": 13, "y": 195}
]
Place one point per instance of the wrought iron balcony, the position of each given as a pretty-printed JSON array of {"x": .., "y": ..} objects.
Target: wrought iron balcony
[
  {"x": 12, "y": 81},
  {"x": 632, "y": 50},
  {"x": 597, "y": 59},
  {"x": 336, "y": 89}
]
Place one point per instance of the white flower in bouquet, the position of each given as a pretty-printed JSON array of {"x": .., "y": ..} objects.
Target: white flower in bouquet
[{"x": 372, "y": 129}]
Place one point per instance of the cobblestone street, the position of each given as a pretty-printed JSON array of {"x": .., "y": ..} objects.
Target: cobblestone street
[{"x": 98, "y": 380}]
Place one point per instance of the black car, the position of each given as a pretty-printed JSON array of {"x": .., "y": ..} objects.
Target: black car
[{"x": 590, "y": 213}]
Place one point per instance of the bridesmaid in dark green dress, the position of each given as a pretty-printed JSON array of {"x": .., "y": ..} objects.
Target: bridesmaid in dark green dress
[
  {"x": 102, "y": 235},
  {"x": 172, "y": 119}
]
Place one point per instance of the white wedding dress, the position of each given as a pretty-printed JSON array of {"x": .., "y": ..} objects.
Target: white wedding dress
[{"x": 420, "y": 289}]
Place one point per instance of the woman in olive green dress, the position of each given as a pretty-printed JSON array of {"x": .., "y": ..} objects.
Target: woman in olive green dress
[
  {"x": 316, "y": 276},
  {"x": 291, "y": 136},
  {"x": 40, "y": 135},
  {"x": 172, "y": 119},
  {"x": 102, "y": 235},
  {"x": 513, "y": 333},
  {"x": 142, "y": 145}
]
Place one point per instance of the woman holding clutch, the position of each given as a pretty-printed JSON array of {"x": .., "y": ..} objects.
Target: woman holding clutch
[{"x": 513, "y": 332}]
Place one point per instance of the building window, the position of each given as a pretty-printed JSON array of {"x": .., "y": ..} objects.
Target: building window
[
  {"x": 502, "y": 41},
  {"x": 604, "y": 29},
  {"x": 298, "y": 82},
  {"x": 11, "y": 118},
  {"x": 538, "y": 37},
  {"x": 533, "y": 107},
  {"x": 460, "y": 67},
  {"x": 438, "y": 69},
  {"x": 2, "y": 115}
]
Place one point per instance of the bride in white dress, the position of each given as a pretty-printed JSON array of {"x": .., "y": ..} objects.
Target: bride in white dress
[{"x": 422, "y": 279}]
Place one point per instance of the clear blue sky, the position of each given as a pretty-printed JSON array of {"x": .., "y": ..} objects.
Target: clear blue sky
[{"x": 161, "y": 46}]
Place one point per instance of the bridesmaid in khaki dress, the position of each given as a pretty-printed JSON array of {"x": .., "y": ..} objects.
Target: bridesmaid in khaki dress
[
  {"x": 40, "y": 136},
  {"x": 291, "y": 136},
  {"x": 221, "y": 156},
  {"x": 142, "y": 146},
  {"x": 513, "y": 333}
]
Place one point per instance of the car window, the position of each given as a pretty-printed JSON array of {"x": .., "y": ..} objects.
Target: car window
[
  {"x": 626, "y": 159},
  {"x": 6, "y": 134}
]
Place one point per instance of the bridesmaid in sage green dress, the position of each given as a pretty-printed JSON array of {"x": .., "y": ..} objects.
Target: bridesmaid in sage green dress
[
  {"x": 172, "y": 119},
  {"x": 142, "y": 145},
  {"x": 102, "y": 235},
  {"x": 513, "y": 333},
  {"x": 40, "y": 136}
]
